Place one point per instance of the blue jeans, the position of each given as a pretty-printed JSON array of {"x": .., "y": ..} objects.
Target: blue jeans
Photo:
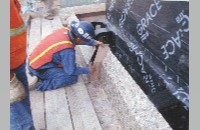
[
  {"x": 53, "y": 78},
  {"x": 20, "y": 112}
]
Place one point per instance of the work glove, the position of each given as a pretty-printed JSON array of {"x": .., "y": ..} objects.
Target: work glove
[{"x": 17, "y": 91}]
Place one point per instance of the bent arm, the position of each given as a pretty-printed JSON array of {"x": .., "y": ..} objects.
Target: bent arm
[{"x": 69, "y": 63}]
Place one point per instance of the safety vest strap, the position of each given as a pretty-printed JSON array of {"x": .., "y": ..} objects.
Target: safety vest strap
[
  {"x": 17, "y": 31},
  {"x": 46, "y": 55}
]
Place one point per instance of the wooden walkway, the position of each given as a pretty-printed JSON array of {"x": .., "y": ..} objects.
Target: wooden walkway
[{"x": 68, "y": 108}]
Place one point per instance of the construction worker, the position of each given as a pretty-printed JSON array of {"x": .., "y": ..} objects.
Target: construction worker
[
  {"x": 53, "y": 60},
  {"x": 20, "y": 112}
]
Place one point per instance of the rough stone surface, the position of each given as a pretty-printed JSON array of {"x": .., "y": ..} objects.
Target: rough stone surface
[
  {"x": 104, "y": 109},
  {"x": 134, "y": 110}
]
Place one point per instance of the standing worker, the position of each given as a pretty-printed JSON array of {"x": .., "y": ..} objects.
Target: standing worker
[
  {"x": 53, "y": 60},
  {"x": 20, "y": 112}
]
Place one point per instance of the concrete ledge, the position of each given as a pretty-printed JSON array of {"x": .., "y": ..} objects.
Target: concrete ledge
[
  {"x": 68, "y": 14},
  {"x": 85, "y": 8},
  {"x": 134, "y": 110}
]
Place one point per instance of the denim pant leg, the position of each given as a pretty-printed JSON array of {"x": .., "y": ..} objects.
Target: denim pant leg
[
  {"x": 20, "y": 119},
  {"x": 55, "y": 78},
  {"x": 21, "y": 75},
  {"x": 20, "y": 112}
]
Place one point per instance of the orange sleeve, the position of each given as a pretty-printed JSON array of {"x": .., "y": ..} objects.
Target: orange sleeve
[
  {"x": 17, "y": 5},
  {"x": 18, "y": 42}
]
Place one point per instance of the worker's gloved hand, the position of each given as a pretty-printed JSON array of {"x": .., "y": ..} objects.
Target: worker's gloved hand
[
  {"x": 98, "y": 43},
  {"x": 17, "y": 92}
]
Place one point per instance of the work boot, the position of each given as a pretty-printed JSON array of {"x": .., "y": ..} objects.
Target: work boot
[
  {"x": 33, "y": 83},
  {"x": 17, "y": 91}
]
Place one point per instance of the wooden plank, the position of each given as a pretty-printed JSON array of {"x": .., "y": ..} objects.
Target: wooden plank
[
  {"x": 35, "y": 34},
  {"x": 57, "y": 112},
  {"x": 82, "y": 111},
  {"x": 56, "y": 23},
  {"x": 36, "y": 98},
  {"x": 102, "y": 106},
  {"x": 101, "y": 54},
  {"x": 32, "y": 40},
  {"x": 37, "y": 106},
  {"x": 46, "y": 28}
]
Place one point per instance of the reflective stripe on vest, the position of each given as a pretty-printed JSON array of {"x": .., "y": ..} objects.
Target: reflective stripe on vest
[
  {"x": 48, "y": 49},
  {"x": 17, "y": 31}
]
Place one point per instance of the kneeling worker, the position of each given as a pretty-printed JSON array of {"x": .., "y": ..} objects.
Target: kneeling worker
[{"x": 53, "y": 60}]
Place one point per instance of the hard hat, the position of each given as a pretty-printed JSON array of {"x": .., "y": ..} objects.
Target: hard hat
[{"x": 83, "y": 30}]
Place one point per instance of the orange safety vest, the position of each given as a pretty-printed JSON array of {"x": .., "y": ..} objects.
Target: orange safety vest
[
  {"x": 51, "y": 44},
  {"x": 17, "y": 36}
]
